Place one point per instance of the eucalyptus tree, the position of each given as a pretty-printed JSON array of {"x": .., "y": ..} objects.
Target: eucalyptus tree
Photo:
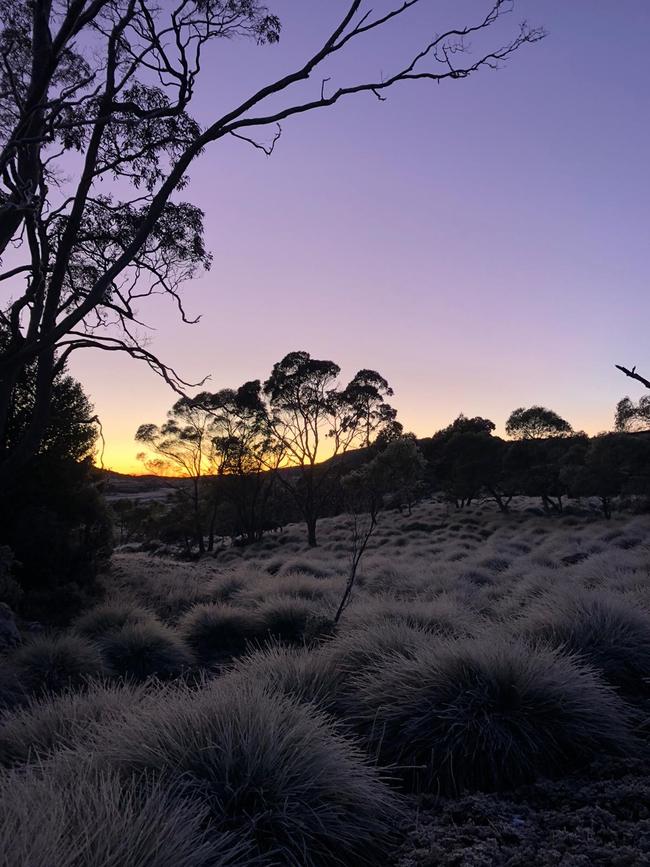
[
  {"x": 632, "y": 417},
  {"x": 183, "y": 446},
  {"x": 536, "y": 422},
  {"x": 313, "y": 422},
  {"x": 97, "y": 137},
  {"x": 244, "y": 456}
]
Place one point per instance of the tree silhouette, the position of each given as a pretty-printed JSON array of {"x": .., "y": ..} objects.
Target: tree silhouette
[
  {"x": 244, "y": 455},
  {"x": 536, "y": 422},
  {"x": 632, "y": 416},
  {"x": 183, "y": 445},
  {"x": 311, "y": 419},
  {"x": 96, "y": 140}
]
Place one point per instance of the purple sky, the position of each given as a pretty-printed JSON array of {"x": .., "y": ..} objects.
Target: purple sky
[{"x": 483, "y": 243}]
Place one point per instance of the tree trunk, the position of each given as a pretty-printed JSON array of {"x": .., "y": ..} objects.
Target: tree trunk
[{"x": 311, "y": 531}]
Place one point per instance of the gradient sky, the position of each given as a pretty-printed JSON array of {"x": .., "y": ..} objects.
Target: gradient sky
[{"x": 483, "y": 243}]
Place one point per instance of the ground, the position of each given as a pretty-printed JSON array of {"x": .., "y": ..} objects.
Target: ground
[{"x": 504, "y": 658}]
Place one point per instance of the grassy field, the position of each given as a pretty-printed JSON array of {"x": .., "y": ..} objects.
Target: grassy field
[{"x": 483, "y": 701}]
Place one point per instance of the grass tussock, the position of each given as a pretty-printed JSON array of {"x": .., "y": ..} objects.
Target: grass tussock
[
  {"x": 605, "y": 630},
  {"x": 52, "y": 663},
  {"x": 36, "y": 731},
  {"x": 487, "y": 715},
  {"x": 217, "y": 632},
  {"x": 265, "y": 766},
  {"x": 308, "y": 675},
  {"x": 79, "y": 817},
  {"x": 293, "y": 620},
  {"x": 143, "y": 650},
  {"x": 109, "y": 618}
]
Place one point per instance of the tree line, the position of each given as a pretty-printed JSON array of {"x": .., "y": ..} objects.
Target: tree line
[
  {"x": 262, "y": 450},
  {"x": 298, "y": 448}
]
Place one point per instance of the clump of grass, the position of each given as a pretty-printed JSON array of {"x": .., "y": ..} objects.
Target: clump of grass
[
  {"x": 48, "y": 724},
  {"x": 367, "y": 646},
  {"x": 292, "y": 620},
  {"x": 305, "y": 566},
  {"x": 484, "y": 714},
  {"x": 224, "y": 588},
  {"x": 143, "y": 650},
  {"x": 307, "y": 674},
  {"x": 50, "y": 664},
  {"x": 605, "y": 630},
  {"x": 218, "y": 632},
  {"x": 74, "y": 816},
  {"x": 266, "y": 767},
  {"x": 109, "y": 618},
  {"x": 442, "y": 616}
]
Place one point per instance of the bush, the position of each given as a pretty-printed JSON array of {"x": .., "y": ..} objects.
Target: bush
[
  {"x": 108, "y": 618},
  {"x": 142, "y": 650},
  {"x": 292, "y": 620},
  {"x": 50, "y": 663},
  {"x": 75, "y": 817},
  {"x": 607, "y": 632},
  {"x": 487, "y": 715},
  {"x": 266, "y": 767},
  {"x": 52, "y": 723},
  {"x": 218, "y": 632}
]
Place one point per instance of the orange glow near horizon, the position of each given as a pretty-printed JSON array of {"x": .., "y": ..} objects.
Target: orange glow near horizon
[{"x": 120, "y": 453}]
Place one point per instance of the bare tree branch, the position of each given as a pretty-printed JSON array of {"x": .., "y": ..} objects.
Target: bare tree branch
[{"x": 634, "y": 375}]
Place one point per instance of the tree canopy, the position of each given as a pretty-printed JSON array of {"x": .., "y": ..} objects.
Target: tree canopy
[{"x": 536, "y": 422}]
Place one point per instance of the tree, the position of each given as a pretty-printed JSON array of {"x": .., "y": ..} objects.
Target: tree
[
  {"x": 99, "y": 91},
  {"x": 365, "y": 396},
  {"x": 244, "y": 458},
  {"x": 543, "y": 467},
  {"x": 473, "y": 466},
  {"x": 631, "y": 417},
  {"x": 535, "y": 423},
  {"x": 309, "y": 419},
  {"x": 53, "y": 517},
  {"x": 183, "y": 445}
]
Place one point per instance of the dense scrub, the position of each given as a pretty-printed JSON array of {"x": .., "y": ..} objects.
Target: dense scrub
[{"x": 488, "y": 670}]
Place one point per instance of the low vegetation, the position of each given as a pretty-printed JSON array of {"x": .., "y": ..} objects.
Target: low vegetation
[{"x": 485, "y": 660}]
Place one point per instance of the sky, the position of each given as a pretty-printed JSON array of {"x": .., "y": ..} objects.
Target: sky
[{"x": 482, "y": 243}]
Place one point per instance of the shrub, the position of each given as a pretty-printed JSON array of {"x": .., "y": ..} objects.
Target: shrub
[
  {"x": 51, "y": 723},
  {"x": 294, "y": 621},
  {"x": 268, "y": 768},
  {"x": 606, "y": 631},
  {"x": 73, "y": 816},
  {"x": 217, "y": 632},
  {"x": 487, "y": 715},
  {"x": 142, "y": 650},
  {"x": 50, "y": 663},
  {"x": 108, "y": 618}
]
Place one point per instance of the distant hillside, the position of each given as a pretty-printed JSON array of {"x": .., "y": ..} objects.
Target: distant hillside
[{"x": 119, "y": 486}]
